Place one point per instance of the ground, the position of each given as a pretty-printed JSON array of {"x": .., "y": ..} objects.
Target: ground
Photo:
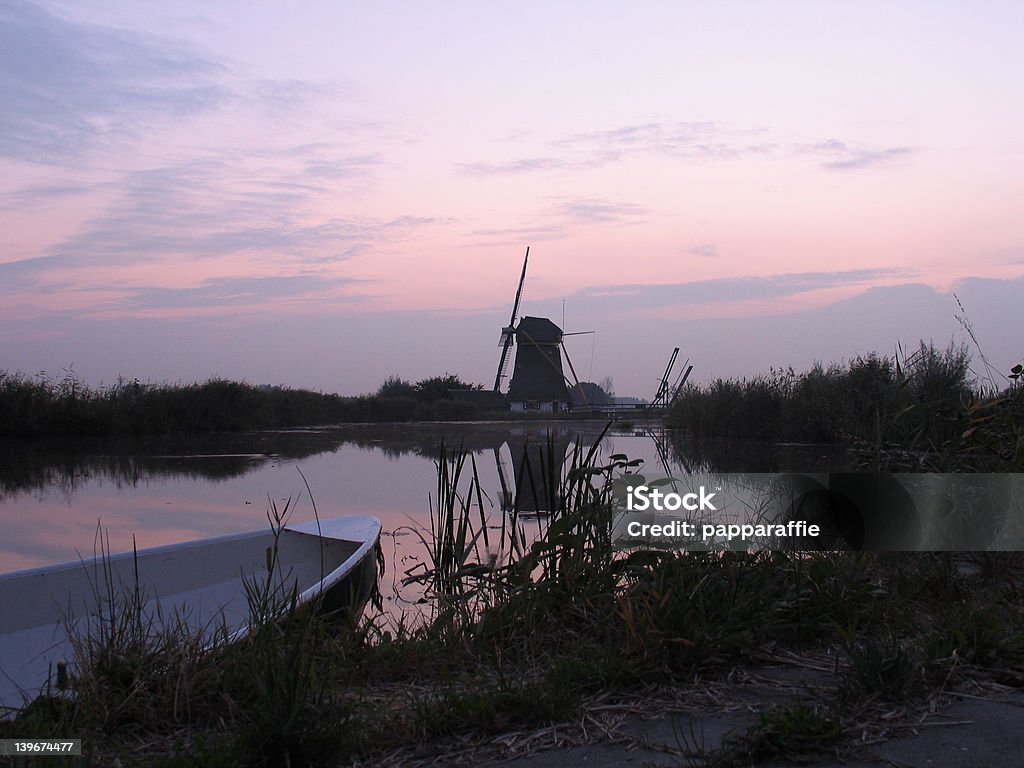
[{"x": 752, "y": 717}]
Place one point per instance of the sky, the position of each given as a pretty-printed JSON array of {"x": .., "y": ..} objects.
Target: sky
[{"x": 326, "y": 194}]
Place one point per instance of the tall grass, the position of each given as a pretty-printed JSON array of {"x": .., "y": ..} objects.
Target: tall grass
[
  {"x": 42, "y": 405},
  {"x": 472, "y": 570},
  {"x": 916, "y": 410}
]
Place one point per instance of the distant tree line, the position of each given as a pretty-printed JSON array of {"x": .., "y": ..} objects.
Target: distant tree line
[
  {"x": 41, "y": 405},
  {"x": 425, "y": 390}
]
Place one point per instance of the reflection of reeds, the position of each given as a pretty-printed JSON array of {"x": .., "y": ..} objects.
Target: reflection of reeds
[{"x": 571, "y": 546}]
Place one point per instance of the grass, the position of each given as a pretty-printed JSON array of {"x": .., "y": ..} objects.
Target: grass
[
  {"x": 794, "y": 733},
  {"x": 526, "y": 631},
  {"x": 914, "y": 411}
]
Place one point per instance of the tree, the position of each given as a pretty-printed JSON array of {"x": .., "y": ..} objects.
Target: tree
[
  {"x": 595, "y": 394},
  {"x": 394, "y": 386},
  {"x": 437, "y": 387}
]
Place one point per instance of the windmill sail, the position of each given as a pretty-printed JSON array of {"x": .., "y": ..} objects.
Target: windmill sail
[{"x": 508, "y": 332}]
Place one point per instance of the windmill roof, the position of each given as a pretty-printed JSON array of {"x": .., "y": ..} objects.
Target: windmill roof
[{"x": 540, "y": 329}]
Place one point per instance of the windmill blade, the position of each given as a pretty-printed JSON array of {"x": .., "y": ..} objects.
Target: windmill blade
[
  {"x": 507, "y": 332},
  {"x": 578, "y": 333},
  {"x": 574, "y": 376},
  {"x": 502, "y": 362},
  {"x": 519, "y": 290}
]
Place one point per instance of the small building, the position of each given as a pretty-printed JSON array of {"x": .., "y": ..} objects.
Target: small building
[{"x": 538, "y": 383}]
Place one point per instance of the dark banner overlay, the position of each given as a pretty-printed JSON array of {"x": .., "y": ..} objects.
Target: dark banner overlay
[{"x": 839, "y": 511}]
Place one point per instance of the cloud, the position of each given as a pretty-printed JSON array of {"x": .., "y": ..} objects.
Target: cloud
[
  {"x": 696, "y": 141},
  {"x": 840, "y": 156},
  {"x": 526, "y": 233},
  {"x": 22, "y": 274},
  {"x": 512, "y": 167},
  {"x": 646, "y": 296},
  {"x": 227, "y": 292},
  {"x": 689, "y": 140},
  {"x": 283, "y": 96},
  {"x": 33, "y": 194},
  {"x": 692, "y": 140},
  {"x": 561, "y": 220},
  {"x": 705, "y": 251},
  {"x": 596, "y": 211},
  {"x": 206, "y": 210},
  {"x": 66, "y": 85}
]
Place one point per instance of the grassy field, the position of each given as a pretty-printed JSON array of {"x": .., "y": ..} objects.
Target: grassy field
[{"x": 523, "y": 633}]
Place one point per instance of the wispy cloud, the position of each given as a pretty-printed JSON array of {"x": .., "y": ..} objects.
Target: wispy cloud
[
  {"x": 688, "y": 140},
  {"x": 693, "y": 140},
  {"x": 512, "y": 167},
  {"x": 67, "y": 86},
  {"x": 719, "y": 290},
  {"x": 705, "y": 251},
  {"x": 523, "y": 234},
  {"x": 840, "y": 156},
  {"x": 561, "y": 219},
  {"x": 208, "y": 210},
  {"x": 699, "y": 141},
  {"x": 588, "y": 210},
  {"x": 229, "y": 292},
  {"x": 95, "y": 103},
  {"x": 33, "y": 194}
]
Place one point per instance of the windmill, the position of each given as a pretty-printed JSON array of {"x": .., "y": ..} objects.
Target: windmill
[{"x": 538, "y": 381}]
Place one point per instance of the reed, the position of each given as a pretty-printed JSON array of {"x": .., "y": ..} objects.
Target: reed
[
  {"x": 918, "y": 410},
  {"x": 32, "y": 406}
]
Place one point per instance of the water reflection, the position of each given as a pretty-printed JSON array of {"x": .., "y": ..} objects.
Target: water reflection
[
  {"x": 152, "y": 491},
  {"x": 537, "y": 462},
  {"x": 693, "y": 455}
]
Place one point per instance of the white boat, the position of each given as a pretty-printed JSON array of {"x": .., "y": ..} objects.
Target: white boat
[{"x": 202, "y": 583}]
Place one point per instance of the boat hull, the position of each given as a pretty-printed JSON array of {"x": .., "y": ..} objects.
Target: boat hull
[{"x": 203, "y": 586}]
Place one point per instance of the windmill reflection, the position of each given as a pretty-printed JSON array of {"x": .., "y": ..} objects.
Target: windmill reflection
[{"x": 531, "y": 475}]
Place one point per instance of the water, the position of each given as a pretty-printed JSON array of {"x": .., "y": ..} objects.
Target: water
[{"x": 57, "y": 497}]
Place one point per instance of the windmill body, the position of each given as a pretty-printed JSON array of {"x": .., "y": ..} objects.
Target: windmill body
[{"x": 538, "y": 382}]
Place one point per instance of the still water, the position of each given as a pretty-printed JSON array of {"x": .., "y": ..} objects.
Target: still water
[{"x": 56, "y": 497}]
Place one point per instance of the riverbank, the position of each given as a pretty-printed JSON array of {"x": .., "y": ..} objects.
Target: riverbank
[
  {"x": 525, "y": 635},
  {"x": 875, "y": 685},
  {"x": 40, "y": 406},
  {"x": 66, "y": 408}
]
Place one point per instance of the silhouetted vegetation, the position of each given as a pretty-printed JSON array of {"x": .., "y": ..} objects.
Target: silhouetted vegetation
[
  {"x": 41, "y": 406},
  {"x": 589, "y": 393},
  {"x": 529, "y": 631},
  {"x": 918, "y": 411}
]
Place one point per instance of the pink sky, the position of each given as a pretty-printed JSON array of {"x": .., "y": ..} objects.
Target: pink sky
[{"x": 324, "y": 195}]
